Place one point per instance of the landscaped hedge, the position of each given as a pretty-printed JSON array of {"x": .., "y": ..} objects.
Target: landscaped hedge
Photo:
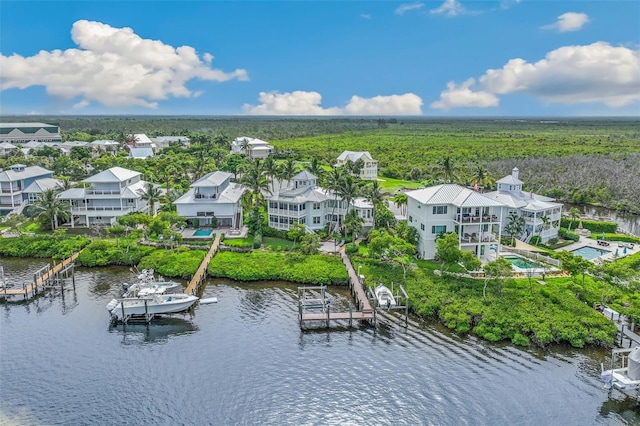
[
  {"x": 267, "y": 265},
  {"x": 181, "y": 263},
  {"x": 56, "y": 246},
  {"x": 591, "y": 225},
  {"x": 618, "y": 237},
  {"x": 113, "y": 252}
]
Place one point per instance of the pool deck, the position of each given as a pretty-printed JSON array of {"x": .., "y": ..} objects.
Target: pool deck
[
  {"x": 188, "y": 233},
  {"x": 613, "y": 245}
]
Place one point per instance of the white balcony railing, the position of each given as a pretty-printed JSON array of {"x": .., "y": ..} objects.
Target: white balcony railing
[
  {"x": 100, "y": 209},
  {"x": 90, "y": 191}
]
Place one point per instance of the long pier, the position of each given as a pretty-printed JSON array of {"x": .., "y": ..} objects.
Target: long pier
[
  {"x": 200, "y": 274},
  {"x": 363, "y": 310},
  {"x": 42, "y": 279}
]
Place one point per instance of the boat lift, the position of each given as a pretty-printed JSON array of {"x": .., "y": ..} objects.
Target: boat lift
[
  {"x": 402, "y": 301},
  {"x": 625, "y": 370}
]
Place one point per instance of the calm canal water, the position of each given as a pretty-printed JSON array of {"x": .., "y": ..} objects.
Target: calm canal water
[{"x": 245, "y": 361}]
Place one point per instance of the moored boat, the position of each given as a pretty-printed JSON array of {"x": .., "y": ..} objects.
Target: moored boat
[
  {"x": 384, "y": 296},
  {"x": 148, "y": 285},
  {"x": 122, "y": 309}
]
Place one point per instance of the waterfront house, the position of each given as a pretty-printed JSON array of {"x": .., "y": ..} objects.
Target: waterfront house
[
  {"x": 27, "y": 132},
  {"x": 302, "y": 201},
  {"x": 251, "y": 147},
  {"x": 114, "y": 192},
  {"x": 541, "y": 214},
  {"x": 31, "y": 193},
  {"x": 369, "y": 166},
  {"x": 213, "y": 196},
  {"x": 447, "y": 208},
  {"x": 14, "y": 181}
]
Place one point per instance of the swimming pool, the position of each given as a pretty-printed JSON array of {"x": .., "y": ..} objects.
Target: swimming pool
[
  {"x": 589, "y": 253},
  {"x": 203, "y": 232},
  {"x": 522, "y": 263}
]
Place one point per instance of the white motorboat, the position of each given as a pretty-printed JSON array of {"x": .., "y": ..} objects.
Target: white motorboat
[
  {"x": 148, "y": 285},
  {"x": 122, "y": 309},
  {"x": 384, "y": 296},
  {"x": 627, "y": 375}
]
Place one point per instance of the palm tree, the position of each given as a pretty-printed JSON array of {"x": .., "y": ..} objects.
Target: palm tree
[
  {"x": 514, "y": 227},
  {"x": 482, "y": 177},
  {"x": 545, "y": 222},
  {"x": 49, "y": 206},
  {"x": 255, "y": 179},
  {"x": 374, "y": 194},
  {"x": 246, "y": 147},
  {"x": 333, "y": 181},
  {"x": 270, "y": 168},
  {"x": 447, "y": 170},
  {"x": 288, "y": 169},
  {"x": 400, "y": 200},
  {"x": 574, "y": 214},
  {"x": 349, "y": 189},
  {"x": 315, "y": 167},
  {"x": 353, "y": 224},
  {"x": 152, "y": 195}
]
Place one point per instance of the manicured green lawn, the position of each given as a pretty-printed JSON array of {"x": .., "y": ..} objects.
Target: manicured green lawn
[{"x": 394, "y": 185}]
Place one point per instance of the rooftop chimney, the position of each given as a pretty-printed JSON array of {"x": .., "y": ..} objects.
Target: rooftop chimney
[{"x": 514, "y": 173}]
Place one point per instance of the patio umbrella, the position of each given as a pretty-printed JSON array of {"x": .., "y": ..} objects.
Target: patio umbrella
[
  {"x": 603, "y": 236},
  {"x": 624, "y": 251},
  {"x": 616, "y": 253}
]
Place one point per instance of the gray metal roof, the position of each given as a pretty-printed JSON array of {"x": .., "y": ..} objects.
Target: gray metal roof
[
  {"x": 114, "y": 174},
  {"x": 140, "y": 153},
  {"x": 354, "y": 155},
  {"x": 42, "y": 185},
  {"x": 29, "y": 172},
  {"x": 452, "y": 194},
  {"x": 212, "y": 179},
  {"x": 305, "y": 175},
  {"x": 231, "y": 194}
]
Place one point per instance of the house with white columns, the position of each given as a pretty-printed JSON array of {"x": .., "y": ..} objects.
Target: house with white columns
[{"x": 541, "y": 214}]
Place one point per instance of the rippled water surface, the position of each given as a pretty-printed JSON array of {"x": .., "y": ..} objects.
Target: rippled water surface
[{"x": 244, "y": 360}]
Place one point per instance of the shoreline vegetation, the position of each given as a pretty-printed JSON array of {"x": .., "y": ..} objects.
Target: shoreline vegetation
[
  {"x": 412, "y": 153},
  {"x": 558, "y": 311}
]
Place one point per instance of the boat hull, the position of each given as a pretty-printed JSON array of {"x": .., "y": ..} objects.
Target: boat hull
[{"x": 161, "y": 304}]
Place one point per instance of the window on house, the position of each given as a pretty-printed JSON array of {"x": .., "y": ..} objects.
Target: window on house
[
  {"x": 439, "y": 229},
  {"x": 316, "y": 206},
  {"x": 410, "y": 219},
  {"x": 422, "y": 226},
  {"x": 439, "y": 209},
  {"x": 316, "y": 220}
]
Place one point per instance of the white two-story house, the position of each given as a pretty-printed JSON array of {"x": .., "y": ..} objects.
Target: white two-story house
[
  {"x": 369, "y": 169},
  {"x": 213, "y": 196},
  {"x": 14, "y": 181},
  {"x": 475, "y": 218},
  {"x": 302, "y": 201},
  {"x": 541, "y": 214},
  {"x": 251, "y": 147},
  {"x": 109, "y": 194}
]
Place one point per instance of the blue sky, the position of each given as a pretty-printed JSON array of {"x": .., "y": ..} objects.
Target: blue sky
[{"x": 432, "y": 58}]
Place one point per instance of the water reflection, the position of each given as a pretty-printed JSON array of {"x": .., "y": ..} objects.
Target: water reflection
[{"x": 159, "y": 331}]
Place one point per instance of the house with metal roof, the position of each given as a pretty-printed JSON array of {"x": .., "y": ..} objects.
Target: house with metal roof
[
  {"x": 114, "y": 192},
  {"x": 14, "y": 181},
  {"x": 302, "y": 201},
  {"x": 140, "y": 153},
  {"x": 251, "y": 147},
  {"x": 541, "y": 214},
  {"x": 213, "y": 196},
  {"x": 7, "y": 148},
  {"x": 32, "y": 192},
  {"x": 440, "y": 209},
  {"x": 27, "y": 132},
  {"x": 369, "y": 169}
]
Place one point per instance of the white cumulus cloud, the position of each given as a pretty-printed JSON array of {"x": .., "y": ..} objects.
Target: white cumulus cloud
[
  {"x": 595, "y": 73},
  {"x": 570, "y": 21},
  {"x": 406, "y": 7},
  {"x": 450, "y": 8},
  {"x": 309, "y": 103},
  {"x": 114, "y": 67},
  {"x": 463, "y": 96}
]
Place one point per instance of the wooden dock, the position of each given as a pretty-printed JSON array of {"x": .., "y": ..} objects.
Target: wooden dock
[
  {"x": 41, "y": 280},
  {"x": 200, "y": 274},
  {"x": 628, "y": 332},
  {"x": 322, "y": 307}
]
